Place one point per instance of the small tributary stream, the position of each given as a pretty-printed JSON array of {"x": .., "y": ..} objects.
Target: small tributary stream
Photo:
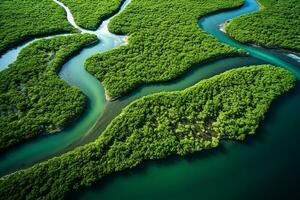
[{"x": 184, "y": 177}]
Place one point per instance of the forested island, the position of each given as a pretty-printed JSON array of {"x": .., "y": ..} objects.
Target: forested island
[
  {"x": 276, "y": 25},
  {"x": 33, "y": 99},
  {"x": 163, "y": 43},
  {"x": 21, "y": 20},
  {"x": 228, "y": 106}
]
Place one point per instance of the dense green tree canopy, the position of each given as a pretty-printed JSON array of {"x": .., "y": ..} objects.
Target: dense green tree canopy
[
  {"x": 90, "y": 13},
  {"x": 21, "y": 20},
  {"x": 277, "y": 24},
  {"x": 165, "y": 41},
  {"x": 33, "y": 99},
  {"x": 230, "y": 105}
]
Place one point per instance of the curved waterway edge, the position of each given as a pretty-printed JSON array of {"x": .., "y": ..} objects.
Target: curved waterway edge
[
  {"x": 48, "y": 146},
  {"x": 74, "y": 73},
  {"x": 266, "y": 162},
  {"x": 211, "y": 23}
]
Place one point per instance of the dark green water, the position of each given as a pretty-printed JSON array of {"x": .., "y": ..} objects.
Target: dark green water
[
  {"x": 265, "y": 166},
  {"x": 98, "y": 112}
]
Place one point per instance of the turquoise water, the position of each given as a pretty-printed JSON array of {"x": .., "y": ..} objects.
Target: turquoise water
[
  {"x": 198, "y": 73},
  {"x": 212, "y": 23},
  {"x": 73, "y": 72},
  {"x": 265, "y": 166},
  {"x": 98, "y": 112}
]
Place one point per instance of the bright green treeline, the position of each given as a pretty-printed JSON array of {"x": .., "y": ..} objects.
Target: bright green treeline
[
  {"x": 277, "y": 24},
  {"x": 230, "y": 105},
  {"x": 33, "y": 99},
  {"x": 90, "y": 13},
  {"x": 21, "y": 20},
  {"x": 165, "y": 41}
]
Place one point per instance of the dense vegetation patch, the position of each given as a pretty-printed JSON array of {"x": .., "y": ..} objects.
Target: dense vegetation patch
[
  {"x": 277, "y": 24},
  {"x": 33, "y": 99},
  {"x": 165, "y": 41},
  {"x": 90, "y": 13},
  {"x": 21, "y": 20},
  {"x": 229, "y": 105}
]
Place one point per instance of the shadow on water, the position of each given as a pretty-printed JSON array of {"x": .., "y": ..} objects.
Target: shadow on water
[
  {"x": 146, "y": 165},
  {"x": 264, "y": 166},
  {"x": 206, "y": 155},
  {"x": 260, "y": 134},
  {"x": 189, "y": 78}
]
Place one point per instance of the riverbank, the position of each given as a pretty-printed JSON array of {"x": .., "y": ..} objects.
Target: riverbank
[
  {"x": 269, "y": 27},
  {"x": 111, "y": 153},
  {"x": 295, "y": 55},
  {"x": 234, "y": 166},
  {"x": 223, "y": 26},
  {"x": 73, "y": 72}
]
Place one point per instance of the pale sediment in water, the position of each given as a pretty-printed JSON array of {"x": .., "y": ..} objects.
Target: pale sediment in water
[
  {"x": 74, "y": 73},
  {"x": 109, "y": 98},
  {"x": 223, "y": 26},
  {"x": 126, "y": 40}
]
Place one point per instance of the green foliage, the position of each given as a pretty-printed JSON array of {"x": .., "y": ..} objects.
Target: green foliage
[
  {"x": 229, "y": 105},
  {"x": 33, "y": 99},
  {"x": 21, "y": 20},
  {"x": 277, "y": 24},
  {"x": 164, "y": 43},
  {"x": 90, "y": 13}
]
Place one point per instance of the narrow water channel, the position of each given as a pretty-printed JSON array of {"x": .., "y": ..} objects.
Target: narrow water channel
[
  {"x": 233, "y": 166},
  {"x": 74, "y": 73},
  {"x": 98, "y": 112},
  {"x": 265, "y": 166}
]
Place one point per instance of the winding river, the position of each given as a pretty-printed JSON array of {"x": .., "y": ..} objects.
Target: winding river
[
  {"x": 74, "y": 73},
  {"x": 272, "y": 152}
]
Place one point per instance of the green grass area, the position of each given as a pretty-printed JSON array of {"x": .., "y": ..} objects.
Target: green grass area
[
  {"x": 230, "y": 105},
  {"x": 89, "y": 14},
  {"x": 277, "y": 24},
  {"x": 165, "y": 41},
  {"x": 21, "y": 20},
  {"x": 33, "y": 99}
]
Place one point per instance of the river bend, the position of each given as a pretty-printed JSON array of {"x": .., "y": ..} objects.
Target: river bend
[{"x": 99, "y": 112}]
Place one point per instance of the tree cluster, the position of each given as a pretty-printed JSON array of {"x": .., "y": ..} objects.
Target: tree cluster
[
  {"x": 277, "y": 24},
  {"x": 89, "y": 14},
  {"x": 21, "y": 20},
  {"x": 33, "y": 99},
  {"x": 164, "y": 42},
  {"x": 229, "y": 105}
]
